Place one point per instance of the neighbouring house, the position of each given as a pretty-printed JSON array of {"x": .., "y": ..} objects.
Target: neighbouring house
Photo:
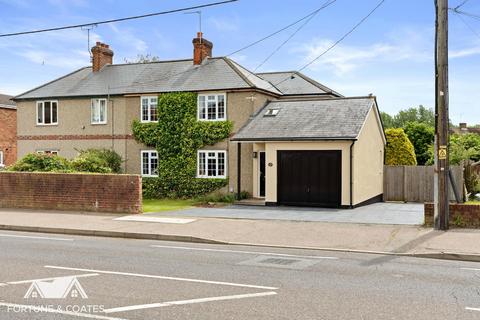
[
  {"x": 8, "y": 131},
  {"x": 311, "y": 130},
  {"x": 463, "y": 128}
]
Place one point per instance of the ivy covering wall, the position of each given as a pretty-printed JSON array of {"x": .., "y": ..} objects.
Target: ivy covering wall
[{"x": 177, "y": 136}]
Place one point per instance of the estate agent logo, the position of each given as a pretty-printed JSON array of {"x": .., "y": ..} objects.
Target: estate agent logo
[{"x": 60, "y": 288}]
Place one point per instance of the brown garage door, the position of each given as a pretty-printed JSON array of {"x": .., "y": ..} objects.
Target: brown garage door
[{"x": 309, "y": 178}]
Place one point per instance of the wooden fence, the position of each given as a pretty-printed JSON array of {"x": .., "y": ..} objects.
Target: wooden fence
[{"x": 415, "y": 183}]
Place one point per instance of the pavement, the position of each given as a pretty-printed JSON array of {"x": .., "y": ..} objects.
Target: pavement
[
  {"x": 124, "y": 279},
  {"x": 377, "y": 213},
  {"x": 379, "y": 238}
]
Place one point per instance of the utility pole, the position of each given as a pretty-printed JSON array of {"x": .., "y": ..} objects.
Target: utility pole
[{"x": 441, "y": 116}]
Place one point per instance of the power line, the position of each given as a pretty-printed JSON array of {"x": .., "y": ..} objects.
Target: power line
[
  {"x": 276, "y": 32},
  {"x": 118, "y": 20},
  {"x": 336, "y": 42},
  {"x": 242, "y": 48},
  {"x": 467, "y": 24},
  {"x": 312, "y": 15},
  {"x": 461, "y": 4},
  {"x": 471, "y": 15}
]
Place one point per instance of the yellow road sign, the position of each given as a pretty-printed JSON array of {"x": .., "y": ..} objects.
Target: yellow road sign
[{"x": 442, "y": 152}]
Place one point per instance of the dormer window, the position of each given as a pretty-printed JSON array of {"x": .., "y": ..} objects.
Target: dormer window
[{"x": 212, "y": 107}]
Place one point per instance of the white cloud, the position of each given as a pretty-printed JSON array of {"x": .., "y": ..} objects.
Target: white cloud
[
  {"x": 461, "y": 53},
  {"x": 224, "y": 23},
  {"x": 346, "y": 58},
  {"x": 127, "y": 37}
]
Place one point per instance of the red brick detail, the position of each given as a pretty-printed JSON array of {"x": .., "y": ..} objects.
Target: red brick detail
[
  {"x": 77, "y": 137},
  {"x": 79, "y": 192},
  {"x": 202, "y": 48},
  {"x": 8, "y": 135},
  {"x": 461, "y": 215},
  {"x": 101, "y": 56}
]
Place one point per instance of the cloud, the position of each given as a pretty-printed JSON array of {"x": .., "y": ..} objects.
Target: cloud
[
  {"x": 224, "y": 23},
  {"x": 461, "y": 53},
  {"x": 127, "y": 37},
  {"x": 54, "y": 59},
  {"x": 346, "y": 58}
]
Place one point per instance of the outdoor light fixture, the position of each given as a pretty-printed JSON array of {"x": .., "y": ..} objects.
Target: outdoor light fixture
[{"x": 254, "y": 155}]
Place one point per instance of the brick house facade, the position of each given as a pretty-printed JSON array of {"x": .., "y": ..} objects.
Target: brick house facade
[{"x": 8, "y": 131}]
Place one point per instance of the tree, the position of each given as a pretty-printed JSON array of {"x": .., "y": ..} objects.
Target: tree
[
  {"x": 387, "y": 120},
  {"x": 143, "y": 58},
  {"x": 462, "y": 147},
  {"x": 399, "y": 150},
  {"x": 419, "y": 114},
  {"x": 422, "y": 136}
]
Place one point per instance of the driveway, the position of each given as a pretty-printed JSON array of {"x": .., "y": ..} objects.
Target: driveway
[{"x": 378, "y": 213}]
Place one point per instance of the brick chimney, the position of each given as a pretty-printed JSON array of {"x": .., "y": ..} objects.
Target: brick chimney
[
  {"x": 202, "y": 48},
  {"x": 101, "y": 55}
]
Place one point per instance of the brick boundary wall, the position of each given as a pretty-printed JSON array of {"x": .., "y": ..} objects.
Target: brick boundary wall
[
  {"x": 461, "y": 215},
  {"x": 119, "y": 193}
]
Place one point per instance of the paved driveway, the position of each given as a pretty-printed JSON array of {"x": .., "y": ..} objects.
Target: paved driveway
[{"x": 379, "y": 213}]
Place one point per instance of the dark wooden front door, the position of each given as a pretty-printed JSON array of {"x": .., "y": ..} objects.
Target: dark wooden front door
[{"x": 309, "y": 178}]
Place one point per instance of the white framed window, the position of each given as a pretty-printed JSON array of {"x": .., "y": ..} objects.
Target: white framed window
[
  {"x": 99, "y": 111},
  {"x": 212, "y": 107},
  {"x": 148, "y": 109},
  {"x": 49, "y": 152},
  {"x": 2, "y": 159},
  {"x": 211, "y": 164},
  {"x": 149, "y": 160},
  {"x": 47, "y": 113}
]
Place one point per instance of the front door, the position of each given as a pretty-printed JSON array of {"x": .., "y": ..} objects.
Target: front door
[{"x": 261, "y": 173}]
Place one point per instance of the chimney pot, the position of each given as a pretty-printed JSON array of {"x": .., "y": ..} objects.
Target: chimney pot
[
  {"x": 101, "y": 56},
  {"x": 202, "y": 48}
]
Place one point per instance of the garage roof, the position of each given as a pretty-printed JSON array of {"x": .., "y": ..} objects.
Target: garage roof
[{"x": 287, "y": 120}]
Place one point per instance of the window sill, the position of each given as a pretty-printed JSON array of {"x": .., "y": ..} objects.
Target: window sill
[
  {"x": 210, "y": 177},
  {"x": 98, "y": 123},
  {"x": 47, "y": 124},
  {"x": 211, "y": 120},
  {"x": 149, "y": 176},
  {"x": 145, "y": 121}
]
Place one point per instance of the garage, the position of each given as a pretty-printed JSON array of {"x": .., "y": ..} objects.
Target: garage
[
  {"x": 318, "y": 153},
  {"x": 309, "y": 177}
]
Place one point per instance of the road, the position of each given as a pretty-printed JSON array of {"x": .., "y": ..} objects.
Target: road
[{"x": 139, "y": 279}]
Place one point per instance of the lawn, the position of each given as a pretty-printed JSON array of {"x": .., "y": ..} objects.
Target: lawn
[{"x": 159, "y": 205}]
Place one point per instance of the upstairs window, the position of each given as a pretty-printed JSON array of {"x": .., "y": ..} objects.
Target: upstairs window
[
  {"x": 211, "y": 164},
  {"x": 211, "y": 107},
  {"x": 99, "y": 111},
  {"x": 149, "y": 163},
  {"x": 149, "y": 109},
  {"x": 47, "y": 112}
]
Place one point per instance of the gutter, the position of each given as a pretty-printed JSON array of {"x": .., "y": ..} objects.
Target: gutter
[{"x": 351, "y": 174}]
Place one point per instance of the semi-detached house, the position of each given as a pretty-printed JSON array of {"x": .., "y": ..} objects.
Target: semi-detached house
[{"x": 294, "y": 141}]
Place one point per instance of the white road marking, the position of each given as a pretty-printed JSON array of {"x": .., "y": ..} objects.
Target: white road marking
[
  {"x": 54, "y": 278},
  {"x": 140, "y": 218},
  {"x": 33, "y": 237},
  {"x": 3, "y": 284},
  {"x": 39, "y": 309},
  {"x": 245, "y": 252},
  {"x": 191, "y": 301},
  {"x": 472, "y": 309},
  {"x": 164, "y": 277},
  {"x": 471, "y": 269}
]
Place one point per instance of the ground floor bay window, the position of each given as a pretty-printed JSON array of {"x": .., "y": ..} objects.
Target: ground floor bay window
[{"x": 211, "y": 163}]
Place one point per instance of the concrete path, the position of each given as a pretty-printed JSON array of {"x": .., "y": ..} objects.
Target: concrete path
[
  {"x": 395, "y": 239},
  {"x": 378, "y": 213}
]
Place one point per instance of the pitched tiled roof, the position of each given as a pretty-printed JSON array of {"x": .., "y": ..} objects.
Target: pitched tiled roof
[
  {"x": 337, "y": 118},
  {"x": 163, "y": 76},
  {"x": 6, "y": 102},
  {"x": 293, "y": 82}
]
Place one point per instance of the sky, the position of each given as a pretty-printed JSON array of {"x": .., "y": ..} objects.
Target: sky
[{"x": 390, "y": 55}]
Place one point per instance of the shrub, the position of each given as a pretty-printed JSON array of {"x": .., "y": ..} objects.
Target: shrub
[
  {"x": 98, "y": 160},
  {"x": 399, "y": 150},
  {"x": 41, "y": 163},
  {"x": 421, "y": 135}
]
